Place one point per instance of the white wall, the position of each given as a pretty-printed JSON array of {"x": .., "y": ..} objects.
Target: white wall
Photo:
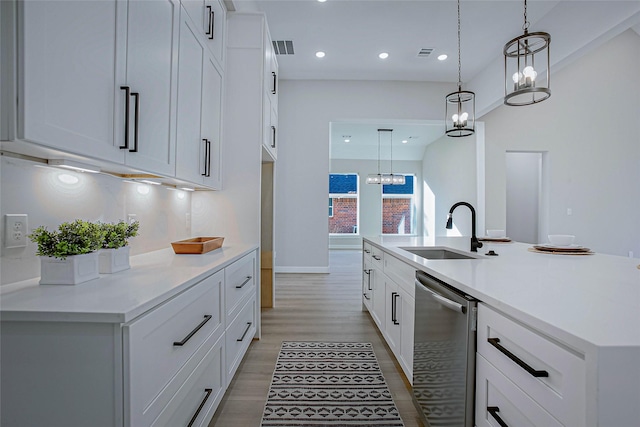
[
  {"x": 33, "y": 189},
  {"x": 589, "y": 126},
  {"x": 449, "y": 172},
  {"x": 523, "y": 196},
  {"x": 371, "y": 198},
  {"x": 305, "y": 109}
]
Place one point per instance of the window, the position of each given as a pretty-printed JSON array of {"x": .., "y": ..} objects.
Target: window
[
  {"x": 343, "y": 203},
  {"x": 398, "y": 207}
]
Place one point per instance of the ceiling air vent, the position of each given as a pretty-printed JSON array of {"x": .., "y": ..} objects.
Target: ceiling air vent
[
  {"x": 283, "y": 47},
  {"x": 425, "y": 52}
]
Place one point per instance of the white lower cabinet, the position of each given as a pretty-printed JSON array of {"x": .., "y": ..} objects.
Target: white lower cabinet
[
  {"x": 500, "y": 402},
  {"x": 169, "y": 366},
  {"x": 546, "y": 378},
  {"x": 390, "y": 302}
]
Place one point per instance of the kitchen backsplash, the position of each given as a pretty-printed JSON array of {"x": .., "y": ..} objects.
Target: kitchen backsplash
[{"x": 50, "y": 196}]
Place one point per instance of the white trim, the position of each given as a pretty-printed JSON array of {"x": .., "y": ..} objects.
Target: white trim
[
  {"x": 322, "y": 270},
  {"x": 345, "y": 247}
]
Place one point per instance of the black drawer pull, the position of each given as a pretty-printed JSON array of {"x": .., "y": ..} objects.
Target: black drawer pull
[
  {"x": 240, "y": 286},
  {"x": 206, "y": 397},
  {"x": 245, "y": 332},
  {"x": 209, "y": 26},
  {"x": 365, "y": 295},
  {"x": 207, "y": 317},
  {"x": 496, "y": 343},
  {"x": 136, "y": 123},
  {"x": 275, "y": 83},
  {"x": 376, "y": 257},
  {"x": 493, "y": 410},
  {"x": 367, "y": 251},
  {"x": 127, "y": 98},
  {"x": 394, "y": 308}
]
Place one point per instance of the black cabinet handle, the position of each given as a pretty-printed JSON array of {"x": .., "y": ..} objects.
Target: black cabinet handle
[
  {"x": 273, "y": 137},
  {"x": 209, "y": 25},
  {"x": 136, "y": 122},
  {"x": 127, "y": 96},
  {"x": 376, "y": 257},
  {"x": 275, "y": 82},
  {"x": 243, "y": 283},
  {"x": 365, "y": 295},
  {"x": 394, "y": 309},
  {"x": 208, "y": 392},
  {"x": 368, "y": 273},
  {"x": 207, "y": 317},
  {"x": 208, "y": 158},
  {"x": 367, "y": 251},
  {"x": 206, "y": 154},
  {"x": 496, "y": 343},
  {"x": 212, "y": 20},
  {"x": 245, "y": 331},
  {"x": 493, "y": 410}
]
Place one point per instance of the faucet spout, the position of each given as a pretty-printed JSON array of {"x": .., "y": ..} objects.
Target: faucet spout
[{"x": 475, "y": 244}]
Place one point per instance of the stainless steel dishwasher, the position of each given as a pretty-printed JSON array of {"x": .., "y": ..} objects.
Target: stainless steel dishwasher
[{"x": 443, "y": 353}]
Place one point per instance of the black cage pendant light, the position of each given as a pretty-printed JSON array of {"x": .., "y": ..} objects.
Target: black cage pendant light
[
  {"x": 524, "y": 57},
  {"x": 460, "y": 110}
]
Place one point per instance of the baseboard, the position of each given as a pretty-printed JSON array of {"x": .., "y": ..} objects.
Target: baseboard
[
  {"x": 345, "y": 247},
  {"x": 321, "y": 270}
]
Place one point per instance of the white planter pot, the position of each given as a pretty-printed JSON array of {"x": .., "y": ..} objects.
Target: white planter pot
[
  {"x": 114, "y": 260},
  {"x": 71, "y": 271}
]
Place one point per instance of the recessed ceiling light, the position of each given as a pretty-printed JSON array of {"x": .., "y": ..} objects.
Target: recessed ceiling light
[
  {"x": 442, "y": 57},
  {"x": 320, "y": 54},
  {"x": 322, "y": 1},
  {"x": 383, "y": 55},
  {"x": 404, "y": 141}
]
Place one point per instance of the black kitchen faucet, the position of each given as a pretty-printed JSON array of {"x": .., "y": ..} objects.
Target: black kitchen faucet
[{"x": 475, "y": 244}]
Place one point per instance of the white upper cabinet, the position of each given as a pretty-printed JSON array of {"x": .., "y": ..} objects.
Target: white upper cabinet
[
  {"x": 71, "y": 59},
  {"x": 97, "y": 78},
  {"x": 210, "y": 17},
  {"x": 199, "y": 110},
  {"x": 152, "y": 60}
]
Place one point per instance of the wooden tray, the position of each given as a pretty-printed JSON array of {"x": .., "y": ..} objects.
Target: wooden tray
[
  {"x": 562, "y": 252},
  {"x": 197, "y": 245}
]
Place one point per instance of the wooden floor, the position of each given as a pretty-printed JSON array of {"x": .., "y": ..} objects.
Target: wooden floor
[{"x": 312, "y": 307}]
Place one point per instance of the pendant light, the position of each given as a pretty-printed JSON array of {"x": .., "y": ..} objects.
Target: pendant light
[
  {"x": 524, "y": 56},
  {"x": 461, "y": 105},
  {"x": 387, "y": 178}
]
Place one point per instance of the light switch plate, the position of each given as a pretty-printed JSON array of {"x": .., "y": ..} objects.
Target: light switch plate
[{"x": 15, "y": 230}]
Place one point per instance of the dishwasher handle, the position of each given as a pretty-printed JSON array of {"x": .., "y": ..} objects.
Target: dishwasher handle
[{"x": 452, "y": 305}]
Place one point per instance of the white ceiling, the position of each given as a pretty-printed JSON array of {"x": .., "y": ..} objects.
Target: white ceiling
[{"x": 353, "y": 32}]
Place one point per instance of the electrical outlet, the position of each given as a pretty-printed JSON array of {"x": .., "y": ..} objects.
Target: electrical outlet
[{"x": 15, "y": 230}]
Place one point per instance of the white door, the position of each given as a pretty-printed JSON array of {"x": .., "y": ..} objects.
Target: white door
[
  {"x": 524, "y": 196},
  {"x": 70, "y": 65},
  {"x": 152, "y": 66}
]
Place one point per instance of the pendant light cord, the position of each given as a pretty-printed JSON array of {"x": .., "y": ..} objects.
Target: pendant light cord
[
  {"x": 525, "y": 26},
  {"x": 459, "y": 61}
]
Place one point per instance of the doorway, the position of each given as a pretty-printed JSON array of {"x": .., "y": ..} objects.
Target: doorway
[{"x": 526, "y": 196}]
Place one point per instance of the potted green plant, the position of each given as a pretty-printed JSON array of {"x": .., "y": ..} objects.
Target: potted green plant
[
  {"x": 68, "y": 255},
  {"x": 114, "y": 255}
]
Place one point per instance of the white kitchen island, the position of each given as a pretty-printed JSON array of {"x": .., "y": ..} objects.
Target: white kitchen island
[
  {"x": 582, "y": 312},
  {"x": 156, "y": 345}
]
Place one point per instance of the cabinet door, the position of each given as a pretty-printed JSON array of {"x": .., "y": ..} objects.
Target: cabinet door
[
  {"x": 215, "y": 21},
  {"x": 152, "y": 67},
  {"x": 212, "y": 123},
  {"x": 378, "y": 296},
  {"x": 71, "y": 59},
  {"x": 190, "y": 142},
  {"x": 393, "y": 306},
  {"x": 407, "y": 322}
]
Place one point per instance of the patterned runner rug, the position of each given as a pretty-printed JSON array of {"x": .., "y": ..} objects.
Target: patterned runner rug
[{"x": 329, "y": 384}]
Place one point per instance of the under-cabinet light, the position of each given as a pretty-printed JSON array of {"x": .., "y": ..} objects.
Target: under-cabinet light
[{"x": 70, "y": 164}]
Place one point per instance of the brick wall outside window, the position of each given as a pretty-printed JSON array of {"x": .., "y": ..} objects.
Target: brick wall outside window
[
  {"x": 393, "y": 210},
  {"x": 345, "y": 216}
]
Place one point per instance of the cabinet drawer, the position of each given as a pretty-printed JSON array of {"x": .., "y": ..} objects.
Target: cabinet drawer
[
  {"x": 497, "y": 397},
  {"x": 561, "y": 392},
  {"x": 152, "y": 342},
  {"x": 239, "y": 282},
  {"x": 401, "y": 273},
  {"x": 239, "y": 335},
  {"x": 377, "y": 258},
  {"x": 198, "y": 397},
  {"x": 366, "y": 250}
]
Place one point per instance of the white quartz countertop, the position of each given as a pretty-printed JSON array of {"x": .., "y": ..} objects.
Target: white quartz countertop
[
  {"x": 119, "y": 297},
  {"x": 579, "y": 299}
]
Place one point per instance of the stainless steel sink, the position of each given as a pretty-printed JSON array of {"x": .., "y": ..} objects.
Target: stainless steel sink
[{"x": 438, "y": 253}]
